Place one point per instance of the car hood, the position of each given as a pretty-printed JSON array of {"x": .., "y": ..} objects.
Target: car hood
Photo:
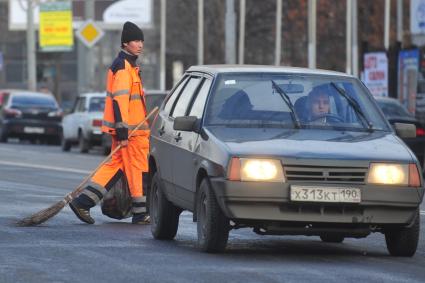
[{"x": 312, "y": 144}]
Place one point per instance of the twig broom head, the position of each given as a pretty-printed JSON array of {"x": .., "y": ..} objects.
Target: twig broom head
[{"x": 43, "y": 215}]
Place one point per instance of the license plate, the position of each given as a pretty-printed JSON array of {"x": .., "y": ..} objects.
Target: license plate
[
  {"x": 325, "y": 194},
  {"x": 33, "y": 130}
]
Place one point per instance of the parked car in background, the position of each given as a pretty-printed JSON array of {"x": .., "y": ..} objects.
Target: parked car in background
[
  {"x": 153, "y": 98},
  {"x": 31, "y": 116},
  {"x": 395, "y": 112},
  {"x": 82, "y": 125},
  {"x": 245, "y": 146}
]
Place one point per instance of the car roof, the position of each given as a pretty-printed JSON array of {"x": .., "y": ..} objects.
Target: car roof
[
  {"x": 216, "y": 69},
  {"x": 25, "y": 92},
  {"x": 386, "y": 99},
  {"x": 92, "y": 94}
]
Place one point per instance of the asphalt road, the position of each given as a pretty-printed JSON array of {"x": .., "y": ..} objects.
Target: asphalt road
[{"x": 33, "y": 177}]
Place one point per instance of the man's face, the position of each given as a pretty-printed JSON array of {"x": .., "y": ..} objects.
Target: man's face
[
  {"x": 320, "y": 104},
  {"x": 134, "y": 47}
]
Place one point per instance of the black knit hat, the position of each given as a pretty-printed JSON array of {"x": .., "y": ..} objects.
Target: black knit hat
[{"x": 131, "y": 32}]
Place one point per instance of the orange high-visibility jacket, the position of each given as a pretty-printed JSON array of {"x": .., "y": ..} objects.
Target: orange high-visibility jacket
[{"x": 125, "y": 105}]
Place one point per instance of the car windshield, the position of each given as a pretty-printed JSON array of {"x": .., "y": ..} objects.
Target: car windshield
[
  {"x": 393, "y": 109},
  {"x": 315, "y": 101},
  {"x": 96, "y": 104},
  {"x": 33, "y": 101}
]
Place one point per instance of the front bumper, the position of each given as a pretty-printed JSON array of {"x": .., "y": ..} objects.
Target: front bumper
[
  {"x": 254, "y": 201},
  {"x": 31, "y": 128}
]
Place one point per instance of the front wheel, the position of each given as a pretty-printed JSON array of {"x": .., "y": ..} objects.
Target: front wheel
[
  {"x": 164, "y": 215},
  {"x": 213, "y": 225},
  {"x": 403, "y": 241},
  {"x": 83, "y": 143}
]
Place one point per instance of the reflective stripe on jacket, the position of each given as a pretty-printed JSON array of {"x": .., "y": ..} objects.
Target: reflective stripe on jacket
[{"x": 125, "y": 105}]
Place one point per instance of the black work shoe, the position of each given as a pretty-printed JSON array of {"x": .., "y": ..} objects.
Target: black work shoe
[
  {"x": 82, "y": 213},
  {"x": 141, "y": 219}
]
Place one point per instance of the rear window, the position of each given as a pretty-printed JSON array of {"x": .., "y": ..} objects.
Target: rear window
[
  {"x": 96, "y": 104},
  {"x": 393, "y": 109},
  {"x": 31, "y": 101}
]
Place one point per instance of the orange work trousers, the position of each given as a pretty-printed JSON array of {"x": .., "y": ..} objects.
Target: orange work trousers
[{"x": 132, "y": 160}]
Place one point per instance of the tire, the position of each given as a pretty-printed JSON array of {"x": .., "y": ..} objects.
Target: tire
[
  {"x": 164, "y": 215},
  {"x": 3, "y": 136},
  {"x": 83, "y": 143},
  {"x": 65, "y": 144},
  {"x": 213, "y": 225},
  {"x": 403, "y": 241},
  {"x": 332, "y": 238}
]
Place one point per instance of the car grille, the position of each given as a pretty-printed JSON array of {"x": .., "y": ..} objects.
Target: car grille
[{"x": 354, "y": 175}]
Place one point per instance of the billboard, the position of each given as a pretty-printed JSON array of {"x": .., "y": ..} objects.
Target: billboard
[
  {"x": 55, "y": 27},
  {"x": 407, "y": 78},
  {"x": 375, "y": 75}
]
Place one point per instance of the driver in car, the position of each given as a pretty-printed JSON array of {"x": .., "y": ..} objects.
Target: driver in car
[{"x": 318, "y": 103}]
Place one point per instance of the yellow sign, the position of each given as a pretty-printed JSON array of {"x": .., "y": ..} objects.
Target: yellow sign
[
  {"x": 55, "y": 33},
  {"x": 89, "y": 33}
]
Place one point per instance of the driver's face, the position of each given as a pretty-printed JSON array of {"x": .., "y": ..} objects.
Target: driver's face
[{"x": 320, "y": 104}]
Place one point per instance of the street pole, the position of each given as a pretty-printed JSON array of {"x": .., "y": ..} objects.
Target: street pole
[
  {"x": 312, "y": 33},
  {"x": 348, "y": 37},
  {"x": 200, "y": 32},
  {"x": 355, "y": 48},
  {"x": 242, "y": 13},
  {"x": 162, "y": 44},
  {"x": 85, "y": 56},
  {"x": 387, "y": 25},
  {"x": 89, "y": 62},
  {"x": 230, "y": 26},
  {"x": 278, "y": 32},
  {"x": 400, "y": 21},
  {"x": 31, "y": 56}
]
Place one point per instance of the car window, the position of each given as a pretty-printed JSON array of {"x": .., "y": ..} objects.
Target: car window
[
  {"x": 81, "y": 106},
  {"x": 185, "y": 97},
  {"x": 318, "y": 101},
  {"x": 393, "y": 109},
  {"x": 199, "y": 103},
  {"x": 96, "y": 104},
  {"x": 174, "y": 95},
  {"x": 31, "y": 101}
]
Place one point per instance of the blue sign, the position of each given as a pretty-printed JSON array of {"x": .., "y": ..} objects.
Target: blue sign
[
  {"x": 1, "y": 61},
  {"x": 408, "y": 68}
]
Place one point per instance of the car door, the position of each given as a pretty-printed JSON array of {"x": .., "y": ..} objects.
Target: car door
[
  {"x": 162, "y": 137},
  {"x": 70, "y": 123},
  {"x": 185, "y": 143}
]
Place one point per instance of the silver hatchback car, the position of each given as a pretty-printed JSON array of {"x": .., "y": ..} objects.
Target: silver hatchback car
[{"x": 286, "y": 151}]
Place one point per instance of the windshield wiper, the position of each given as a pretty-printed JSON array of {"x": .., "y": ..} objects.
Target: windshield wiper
[
  {"x": 353, "y": 103},
  {"x": 286, "y": 99}
]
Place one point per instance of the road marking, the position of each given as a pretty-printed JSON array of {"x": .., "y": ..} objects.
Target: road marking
[
  {"x": 39, "y": 166},
  {"x": 422, "y": 212}
]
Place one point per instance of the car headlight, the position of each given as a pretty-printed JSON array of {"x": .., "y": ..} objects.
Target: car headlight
[
  {"x": 394, "y": 174},
  {"x": 249, "y": 169}
]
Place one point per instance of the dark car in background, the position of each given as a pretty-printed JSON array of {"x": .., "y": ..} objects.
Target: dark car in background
[
  {"x": 31, "y": 116},
  {"x": 239, "y": 147},
  {"x": 395, "y": 112}
]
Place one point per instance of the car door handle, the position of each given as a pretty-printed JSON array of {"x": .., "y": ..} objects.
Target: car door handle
[
  {"x": 161, "y": 131},
  {"x": 178, "y": 137}
]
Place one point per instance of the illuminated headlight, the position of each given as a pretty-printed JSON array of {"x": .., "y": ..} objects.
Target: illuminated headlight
[
  {"x": 388, "y": 174},
  {"x": 247, "y": 169}
]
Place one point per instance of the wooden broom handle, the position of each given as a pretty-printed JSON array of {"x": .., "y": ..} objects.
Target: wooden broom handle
[{"x": 69, "y": 197}]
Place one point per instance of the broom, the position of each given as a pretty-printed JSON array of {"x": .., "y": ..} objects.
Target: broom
[{"x": 46, "y": 214}]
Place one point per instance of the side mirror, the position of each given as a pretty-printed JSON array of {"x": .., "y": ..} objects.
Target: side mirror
[
  {"x": 405, "y": 130},
  {"x": 186, "y": 123}
]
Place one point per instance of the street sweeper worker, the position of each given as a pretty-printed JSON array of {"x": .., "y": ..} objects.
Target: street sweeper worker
[{"x": 125, "y": 108}]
